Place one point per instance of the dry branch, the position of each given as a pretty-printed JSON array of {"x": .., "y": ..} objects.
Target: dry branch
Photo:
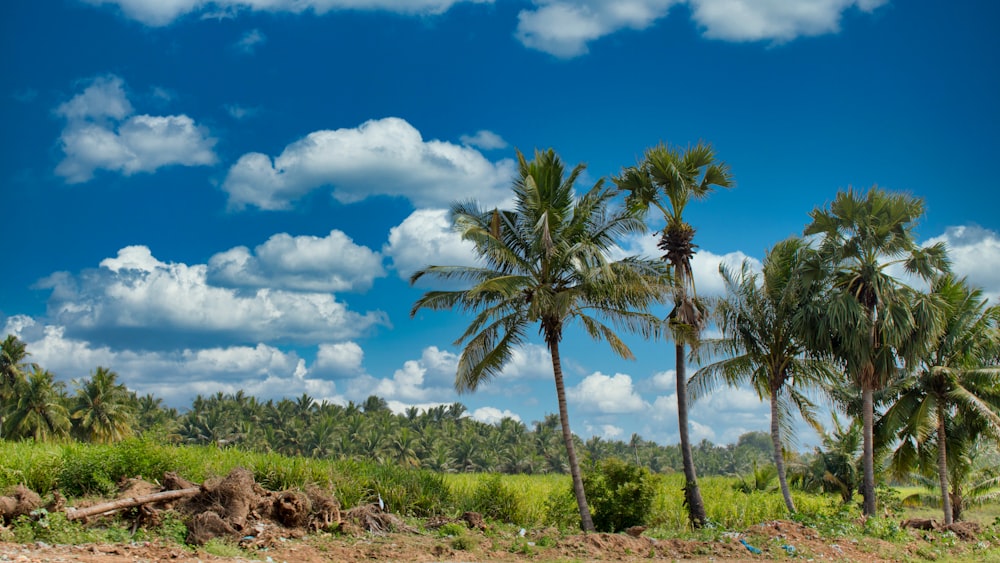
[{"x": 77, "y": 513}]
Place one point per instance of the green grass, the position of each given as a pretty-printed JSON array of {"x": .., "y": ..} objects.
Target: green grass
[{"x": 531, "y": 501}]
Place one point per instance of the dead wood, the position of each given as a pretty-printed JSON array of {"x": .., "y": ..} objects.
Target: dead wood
[{"x": 76, "y": 514}]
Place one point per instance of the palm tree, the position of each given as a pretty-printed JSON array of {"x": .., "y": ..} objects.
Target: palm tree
[
  {"x": 871, "y": 316},
  {"x": 104, "y": 408},
  {"x": 39, "y": 411},
  {"x": 761, "y": 345},
  {"x": 545, "y": 262},
  {"x": 952, "y": 375},
  {"x": 668, "y": 178},
  {"x": 12, "y": 365}
]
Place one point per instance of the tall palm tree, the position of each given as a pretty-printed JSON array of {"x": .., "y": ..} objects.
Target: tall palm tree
[
  {"x": 104, "y": 409},
  {"x": 871, "y": 317},
  {"x": 545, "y": 261},
  {"x": 12, "y": 368},
  {"x": 39, "y": 411},
  {"x": 952, "y": 375},
  {"x": 667, "y": 179},
  {"x": 761, "y": 346}
]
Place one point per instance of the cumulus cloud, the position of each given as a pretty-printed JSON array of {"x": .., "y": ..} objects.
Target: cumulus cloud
[
  {"x": 606, "y": 431},
  {"x": 333, "y": 263},
  {"x": 136, "y": 300},
  {"x": 380, "y": 157},
  {"x": 426, "y": 238},
  {"x": 341, "y": 358},
  {"x": 102, "y": 133},
  {"x": 975, "y": 254},
  {"x": 564, "y": 27},
  {"x": 486, "y": 140},
  {"x": 774, "y": 20},
  {"x": 493, "y": 415},
  {"x": 425, "y": 380},
  {"x": 250, "y": 40},
  {"x": 607, "y": 394},
  {"x": 175, "y": 375}
]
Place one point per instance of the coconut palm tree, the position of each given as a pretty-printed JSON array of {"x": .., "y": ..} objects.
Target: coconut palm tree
[
  {"x": 952, "y": 377},
  {"x": 871, "y": 317},
  {"x": 667, "y": 179},
  {"x": 104, "y": 410},
  {"x": 12, "y": 367},
  {"x": 39, "y": 411},
  {"x": 545, "y": 262},
  {"x": 761, "y": 347}
]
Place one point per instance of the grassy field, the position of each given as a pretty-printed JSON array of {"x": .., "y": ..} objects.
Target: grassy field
[{"x": 533, "y": 502}]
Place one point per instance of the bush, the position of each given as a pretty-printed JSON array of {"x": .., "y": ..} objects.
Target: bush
[
  {"x": 494, "y": 499},
  {"x": 620, "y": 494}
]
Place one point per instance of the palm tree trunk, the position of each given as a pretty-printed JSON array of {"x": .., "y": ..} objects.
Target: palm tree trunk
[
  {"x": 943, "y": 467},
  {"x": 779, "y": 458},
  {"x": 586, "y": 522},
  {"x": 868, "y": 455},
  {"x": 692, "y": 495}
]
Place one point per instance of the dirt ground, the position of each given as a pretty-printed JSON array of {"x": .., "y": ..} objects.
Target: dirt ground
[{"x": 478, "y": 545}]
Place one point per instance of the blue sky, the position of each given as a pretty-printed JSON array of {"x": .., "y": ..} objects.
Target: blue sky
[{"x": 208, "y": 196}]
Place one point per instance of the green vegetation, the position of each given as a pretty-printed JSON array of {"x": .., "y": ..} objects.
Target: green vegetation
[
  {"x": 546, "y": 262},
  {"x": 914, "y": 374}
]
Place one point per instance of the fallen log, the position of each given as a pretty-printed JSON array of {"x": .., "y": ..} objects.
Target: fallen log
[{"x": 77, "y": 513}]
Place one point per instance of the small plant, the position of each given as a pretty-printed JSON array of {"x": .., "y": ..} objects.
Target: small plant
[
  {"x": 221, "y": 548},
  {"x": 621, "y": 495},
  {"x": 451, "y": 529},
  {"x": 50, "y": 527},
  {"x": 494, "y": 499},
  {"x": 464, "y": 543}
]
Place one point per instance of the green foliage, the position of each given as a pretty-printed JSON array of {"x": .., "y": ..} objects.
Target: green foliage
[
  {"x": 51, "y": 528},
  {"x": 493, "y": 498},
  {"x": 35, "y": 465},
  {"x": 621, "y": 495},
  {"x": 451, "y": 529},
  {"x": 561, "y": 510},
  {"x": 87, "y": 471},
  {"x": 464, "y": 543}
]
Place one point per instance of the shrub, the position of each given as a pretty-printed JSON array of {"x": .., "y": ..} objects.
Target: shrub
[
  {"x": 493, "y": 498},
  {"x": 620, "y": 494}
]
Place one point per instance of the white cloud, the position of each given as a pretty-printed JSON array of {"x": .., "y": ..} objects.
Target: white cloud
[
  {"x": 304, "y": 263},
  {"x": 427, "y": 380},
  {"x": 662, "y": 381},
  {"x": 975, "y": 254},
  {"x": 239, "y": 112},
  {"x": 606, "y": 431},
  {"x": 101, "y": 133},
  {"x": 775, "y": 20},
  {"x": 138, "y": 300},
  {"x": 104, "y": 98},
  {"x": 530, "y": 361},
  {"x": 426, "y": 238},
  {"x": 342, "y": 358},
  {"x": 493, "y": 415},
  {"x": 607, "y": 394},
  {"x": 165, "y": 12},
  {"x": 250, "y": 41},
  {"x": 177, "y": 375},
  {"x": 380, "y": 157},
  {"x": 486, "y": 140},
  {"x": 564, "y": 27}
]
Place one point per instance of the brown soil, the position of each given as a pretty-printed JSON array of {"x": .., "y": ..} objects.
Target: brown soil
[{"x": 309, "y": 527}]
